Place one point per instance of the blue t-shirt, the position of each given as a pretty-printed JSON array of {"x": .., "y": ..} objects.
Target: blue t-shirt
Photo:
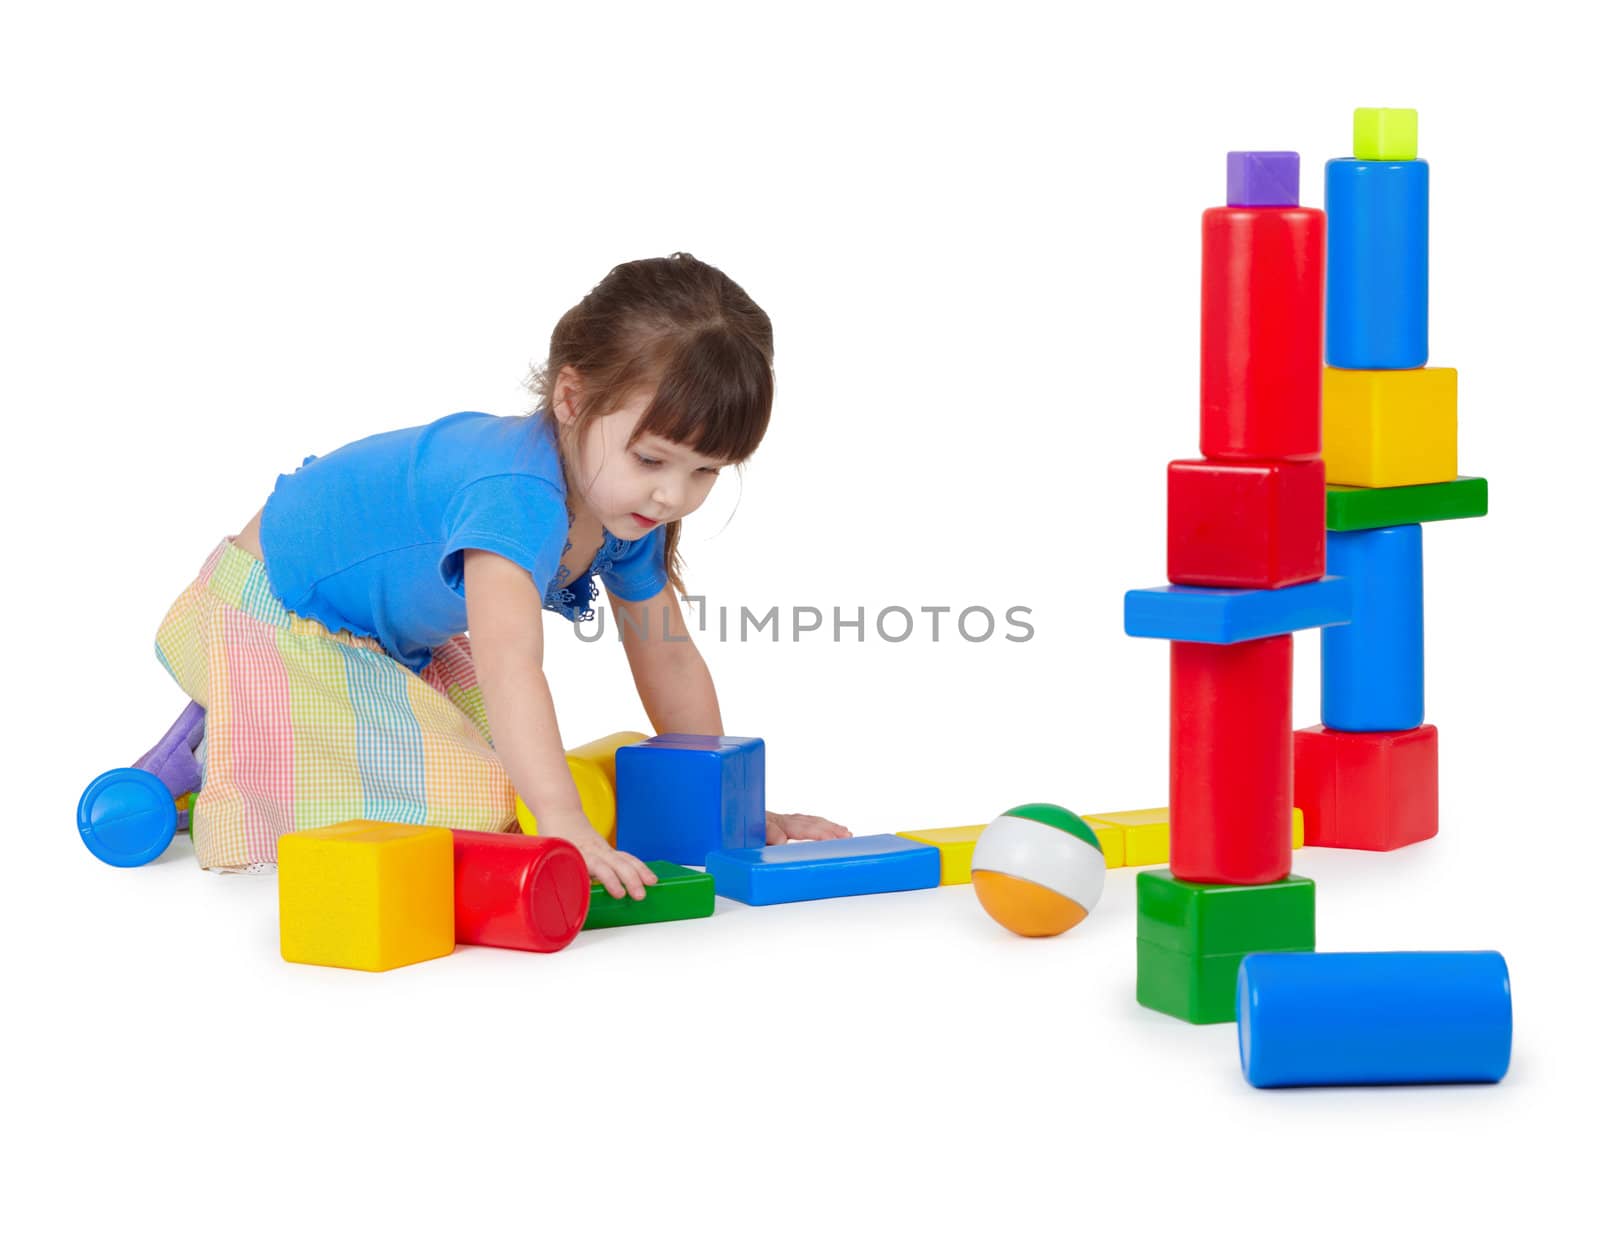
[{"x": 369, "y": 538}]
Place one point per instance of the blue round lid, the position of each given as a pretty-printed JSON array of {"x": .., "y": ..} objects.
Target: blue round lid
[{"x": 127, "y": 817}]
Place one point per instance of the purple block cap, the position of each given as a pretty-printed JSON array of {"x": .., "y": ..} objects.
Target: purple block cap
[{"x": 1263, "y": 178}]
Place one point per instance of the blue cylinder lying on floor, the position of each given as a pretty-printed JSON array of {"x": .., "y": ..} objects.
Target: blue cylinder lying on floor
[{"x": 1412, "y": 1017}]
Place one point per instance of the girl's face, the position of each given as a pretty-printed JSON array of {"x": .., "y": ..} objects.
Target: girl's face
[{"x": 632, "y": 489}]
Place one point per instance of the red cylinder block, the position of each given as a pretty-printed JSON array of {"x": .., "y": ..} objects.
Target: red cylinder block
[
  {"x": 1261, "y": 283},
  {"x": 1231, "y": 772},
  {"x": 518, "y": 891}
]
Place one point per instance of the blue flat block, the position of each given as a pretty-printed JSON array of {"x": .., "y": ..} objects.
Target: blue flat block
[
  {"x": 828, "y": 868},
  {"x": 1372, "y": 666},
  {"x": 1309, "y": 1020},
  {"x": 1377, "y": 277},
  {"x": 1228, "y": 616},
  {"x": 680, "y": 797}
]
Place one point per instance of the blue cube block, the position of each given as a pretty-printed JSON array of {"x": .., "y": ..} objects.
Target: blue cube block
[
  {"x": 827, "y": 868},
  {"x": 1372, "y": 666},
  {"x": 1228, "y": 616},
  {"x": 1377, "y": 277},
  {"x": 680, "y": 797}
]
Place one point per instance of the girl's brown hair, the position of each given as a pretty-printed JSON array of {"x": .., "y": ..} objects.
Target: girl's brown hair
[{"x": 686, "y": 329}]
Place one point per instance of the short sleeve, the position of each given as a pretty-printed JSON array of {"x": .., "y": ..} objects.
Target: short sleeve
[
  {"x": 640, "y": 572},
  {"x": 514, "y": 515}
]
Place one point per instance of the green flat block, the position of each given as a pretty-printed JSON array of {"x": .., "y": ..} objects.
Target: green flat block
[
  {"x": 678, "y": 894},
  {"x": 1194, "y": 988},
  {"x": 1201, "y": 920},
  {"x": 1361, "y": 507}
]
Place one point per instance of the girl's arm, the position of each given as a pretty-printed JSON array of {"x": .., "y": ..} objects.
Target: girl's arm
[
  {"x": 676, "y": 691},
  {"x": 504, "y": 615}
]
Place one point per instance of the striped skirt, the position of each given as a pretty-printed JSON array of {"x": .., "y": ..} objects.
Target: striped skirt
[{"x": 307, "y": 727}]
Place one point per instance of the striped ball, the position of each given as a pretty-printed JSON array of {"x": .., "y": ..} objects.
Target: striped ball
[{"x": 1038, "y": 870}]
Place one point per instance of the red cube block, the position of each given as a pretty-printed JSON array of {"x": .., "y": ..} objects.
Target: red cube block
[
  {"x": 1246, "y": 524},
  {"x": 1367, "y": 790},
  {"x": 1230, "y": 761}
]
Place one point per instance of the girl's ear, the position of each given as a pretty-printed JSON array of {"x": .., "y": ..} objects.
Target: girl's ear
[{"x": 564, "y": 400}]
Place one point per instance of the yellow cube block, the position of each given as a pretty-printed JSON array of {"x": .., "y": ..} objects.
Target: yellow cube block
[
  {"x": 594, "y": 771},
  {"x": 1389, "y": 427},
  {"x": 1386, "y": 134},
  {"x": 955, "y": 845},
  {"x": 1147, "y": 835},
  {"x": 366, "y": 894}
]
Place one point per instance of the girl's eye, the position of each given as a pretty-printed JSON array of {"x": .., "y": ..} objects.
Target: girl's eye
[
  {"x": 712, "y": 471},
  {"x": 646, "y": 460}
]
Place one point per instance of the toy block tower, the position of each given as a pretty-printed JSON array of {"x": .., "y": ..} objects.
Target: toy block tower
[
  {"x": 1368, "y": 777},
  {"x": 1246, "y": 558}
]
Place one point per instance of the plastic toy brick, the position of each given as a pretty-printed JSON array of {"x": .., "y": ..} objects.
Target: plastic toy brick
[
  {"x": 680, "y": 797},
  {"x": 1263, "y": 178},
  {"x": 1255, "y": 524},
  {"x": 594, "y": 772},
  {"x": 1192, "y": 938},
  {"x": 1362, "y": 507},
  {"x": 1231, "y": 786},
  {"x": 1328, "y": 1019},
  {"x": 1386, "y": 133},
  {"x": 1261, "y": 293},
  {"x": 1228, "y": 616},
  {"x": 828, "y": 868},
  {"x": 955, "y": 845},
  {"x": 1142, "y": 837},
  {"x": 1377, "y": 264},
  {"x": 1372, "y": 666},
  {"x": 517, "y": 892},
  {"x": 366, "y": 894},
  {"x": 1389, "y": 427},
  {"x": 127, "y": 817},
  {"x": 678, "y": 894},
  {"x": 1367, "y": 790}
]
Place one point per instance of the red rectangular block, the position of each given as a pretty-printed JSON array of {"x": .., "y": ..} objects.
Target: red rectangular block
[
  {"x": 1367, "y": 790},
  {"x": 1247, "y": 524},
  {"x": 1230, "y": 761}
]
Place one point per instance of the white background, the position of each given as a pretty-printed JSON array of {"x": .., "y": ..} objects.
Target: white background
[{"x": 237, "y": 235}]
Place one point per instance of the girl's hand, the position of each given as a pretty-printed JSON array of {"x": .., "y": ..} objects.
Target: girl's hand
[
  {"x": 781, "y": 827},
  {"x": 616, "y": 870}
]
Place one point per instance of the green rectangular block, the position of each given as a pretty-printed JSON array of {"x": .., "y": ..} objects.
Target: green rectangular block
[
  {"x": 1194, "y": 988},
  {"x": 1363, "y": 507},
  {"x": 678, "y": 894},
  {"x": 1199, "y": 920}
]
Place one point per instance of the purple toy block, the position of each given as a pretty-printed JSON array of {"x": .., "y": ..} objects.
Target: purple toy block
[{"x": 1263, "y": 178}]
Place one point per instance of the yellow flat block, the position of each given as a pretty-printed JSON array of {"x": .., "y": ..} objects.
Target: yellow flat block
[
  {"x": 1147, "y": 835},
  {"x": 594, "y": 771},
  {"x": 955, "y": 845},
  {"x": 1389, "y": 427},
  {"x": 366, "y": 894}
]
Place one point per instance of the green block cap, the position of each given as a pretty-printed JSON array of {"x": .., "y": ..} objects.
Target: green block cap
[
  {"x": 1201, "y": 920},
  {"x": 1388, "y": 134}
]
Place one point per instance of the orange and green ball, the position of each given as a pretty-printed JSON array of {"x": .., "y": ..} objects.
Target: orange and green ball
[{"x": 1038, "y": 869}]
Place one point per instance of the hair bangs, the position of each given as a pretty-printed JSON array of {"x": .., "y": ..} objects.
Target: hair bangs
[{"x": 713, "y": 395}]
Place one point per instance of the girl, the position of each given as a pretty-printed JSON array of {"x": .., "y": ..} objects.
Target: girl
[{"x": 327, "y": 640}]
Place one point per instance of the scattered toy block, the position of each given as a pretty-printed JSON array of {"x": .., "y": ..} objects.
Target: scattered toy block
[
  {"x": 1142, "y": 835},
  {"x": 1389, "y": 427},
  {"x": 826, "y": 868},
  {"x": 681, "y": 797},
  {"x": 1256, "y": 524},
  {"x": 1228, "y": 616},
  {"x": 955, "y": 845},
  {"x": 1113, "y": 841},
  {"x": 1364, "y": 507},
  {"x": 1386, "y": 133},
  {"x": 1367, "y": 790},
  {"x": 517, "y": 892},
  {"x": 1263, "y": 178},
  {"x": 1372, "y": 666},
  {"x": 1309, "y": 1020},
  {"x": 366, "y": 894},
  {"x": 1377, "y": 306},
  {"x": 1230, "y": 752},
  {"x": 594, "y": 773},
  {"x": 1191, "y": 939},
  {"x": 1261, "y": 293},
  {"x": 678, "y": 894}
]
